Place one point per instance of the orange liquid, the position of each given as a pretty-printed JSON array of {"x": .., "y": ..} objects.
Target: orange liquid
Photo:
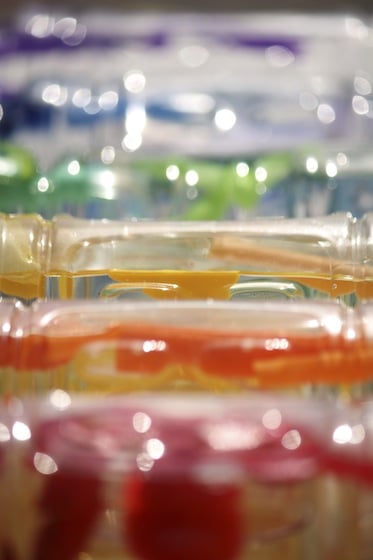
[
  {"x": 244, "y": 356},
  {"x": 214, "y": 357},
  {"x": 43, "y": 352}
]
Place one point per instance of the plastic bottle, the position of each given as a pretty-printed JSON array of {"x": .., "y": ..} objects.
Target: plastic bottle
[
  {"x": 166, "y": 476},
  {"x": 114, "y": 347},
  {"x": 71, "y": 258}
]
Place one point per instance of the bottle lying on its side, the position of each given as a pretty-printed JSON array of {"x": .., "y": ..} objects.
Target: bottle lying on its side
[
  {"x": 119, "y": 347},
  {"x": 171, "y": 476},
  {"x": 69, "y": 258}
]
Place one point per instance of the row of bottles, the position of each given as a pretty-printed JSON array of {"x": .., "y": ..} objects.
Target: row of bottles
[
  {"x": 137, "y": 116},
  {"x": 311, "y": 182},
  {"x": 183, "y": 373}
]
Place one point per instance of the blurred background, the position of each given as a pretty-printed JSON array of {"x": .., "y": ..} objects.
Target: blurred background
[
  {"x": 7, "y": 11},
  {"x": 186, "y": 110}
]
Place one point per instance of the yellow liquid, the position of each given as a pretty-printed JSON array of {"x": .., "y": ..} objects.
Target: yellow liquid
[
  {"x": 217, "y": 284},
  {"x": 177, "y": 284},
  {"x": 334, "y": 287},
  {"x": 25, "y": 285},
  {"x": 182, "y": 284},
  {"x": 157, "y": 284}
]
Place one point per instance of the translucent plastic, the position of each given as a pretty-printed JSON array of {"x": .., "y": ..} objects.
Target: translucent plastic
[
  {"x": 169, "y": 477},
  {"x": 72, "y": 258},
  {"x": 348, "y": 446},
  {"x": 120, "y": 347}
]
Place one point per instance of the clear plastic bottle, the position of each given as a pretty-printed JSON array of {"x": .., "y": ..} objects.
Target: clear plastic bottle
[
  {"x": 348, "y": 450},
  {"x": 71, "y": 258},
  {"x": 114, "y": 347},
  {"x": 164, "y": 476}
]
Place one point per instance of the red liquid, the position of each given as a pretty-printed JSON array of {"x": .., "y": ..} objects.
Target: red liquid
[
  {"x": 70, "y": 504},
  {"x": 178, "y": 518}
]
